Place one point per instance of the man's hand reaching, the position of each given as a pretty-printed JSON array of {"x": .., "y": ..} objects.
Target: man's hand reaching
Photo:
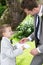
[{"x": 23, "y": 40}]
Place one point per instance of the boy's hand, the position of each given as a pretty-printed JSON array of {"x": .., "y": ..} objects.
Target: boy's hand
[
  {"x": 23, "y": 47},
  {"x": 34, "y": 51},
  {"x": 23, "y": 40}
]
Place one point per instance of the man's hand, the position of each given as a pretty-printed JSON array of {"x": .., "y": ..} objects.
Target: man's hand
[
  {"x": 23, "y": 40},
  {"x": 34, "y": 51}
]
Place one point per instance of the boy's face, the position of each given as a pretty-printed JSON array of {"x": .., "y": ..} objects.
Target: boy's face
[{"x": 8, "y": 32}]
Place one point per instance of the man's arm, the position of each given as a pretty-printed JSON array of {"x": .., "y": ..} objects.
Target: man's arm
[
  {"x": 40, "y": 48},
  {"x": 37, "y": 50},
  {"x": 31, "y": 37}
]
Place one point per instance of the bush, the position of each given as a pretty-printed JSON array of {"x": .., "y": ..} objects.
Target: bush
[
  {"x": 25, "y": 28},
  {"x": 2, "y": 8},
  {"x": 3, "y": 2}
]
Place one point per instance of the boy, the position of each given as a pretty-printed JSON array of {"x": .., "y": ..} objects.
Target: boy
[{"x": 8, "y": 52}]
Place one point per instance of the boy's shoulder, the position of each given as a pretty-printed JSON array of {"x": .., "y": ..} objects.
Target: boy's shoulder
[{"x": 5, "y": 40}]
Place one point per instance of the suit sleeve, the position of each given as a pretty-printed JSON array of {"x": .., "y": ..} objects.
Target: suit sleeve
[
  {"x": 32, "y": 36},
  {"x": 10, "y": 52},
  {"x": 40, "y": 48}
]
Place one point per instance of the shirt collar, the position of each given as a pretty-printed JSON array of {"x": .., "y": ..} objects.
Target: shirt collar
[
  {"x": 40, "y": 12},
  {"x": 6, "y": 38}
]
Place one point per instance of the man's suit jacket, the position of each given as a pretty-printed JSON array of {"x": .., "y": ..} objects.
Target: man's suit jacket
[
  {"x": 8, "y": 52},
  {"x": 39, "y": 43}
]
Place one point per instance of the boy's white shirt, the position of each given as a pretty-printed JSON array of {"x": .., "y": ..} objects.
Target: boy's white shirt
[{"x": 8, "y": 53}]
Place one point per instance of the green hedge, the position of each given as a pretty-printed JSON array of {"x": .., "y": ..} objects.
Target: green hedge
[
  {"x": 25, "y": 28},
  {"x": 2, "y": 8},
  {"x": 3, "y": 2}
]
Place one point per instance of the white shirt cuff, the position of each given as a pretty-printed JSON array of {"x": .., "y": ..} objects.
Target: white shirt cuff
[
  {"x": 38, "y": 50},
  {"x": 30, "y": 38}
]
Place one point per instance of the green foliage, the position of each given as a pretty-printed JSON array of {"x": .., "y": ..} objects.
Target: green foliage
[
  {"x": 3, "y": 2},
  {"x": 2, "y": 8},
  {"x": 25, "y": 28}
]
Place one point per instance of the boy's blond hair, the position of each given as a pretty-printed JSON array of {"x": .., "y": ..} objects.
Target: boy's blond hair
[{"x": 2, "y": 28}]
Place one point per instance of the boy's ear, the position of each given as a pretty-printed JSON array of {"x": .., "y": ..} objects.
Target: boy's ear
[
  {"x": 3, "y": 33},
  {"x": 27, "y": 11}
]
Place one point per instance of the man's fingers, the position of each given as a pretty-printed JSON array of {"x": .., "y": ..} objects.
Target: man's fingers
[
  {"x": 34, "y": 52},
  {"x": 22, "y": 41}
]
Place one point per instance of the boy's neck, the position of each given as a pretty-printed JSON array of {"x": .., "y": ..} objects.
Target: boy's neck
[{"x": 5, "y": 37}]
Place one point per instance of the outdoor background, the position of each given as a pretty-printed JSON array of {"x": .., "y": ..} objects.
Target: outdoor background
[{"x": 22, "y": 25}]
